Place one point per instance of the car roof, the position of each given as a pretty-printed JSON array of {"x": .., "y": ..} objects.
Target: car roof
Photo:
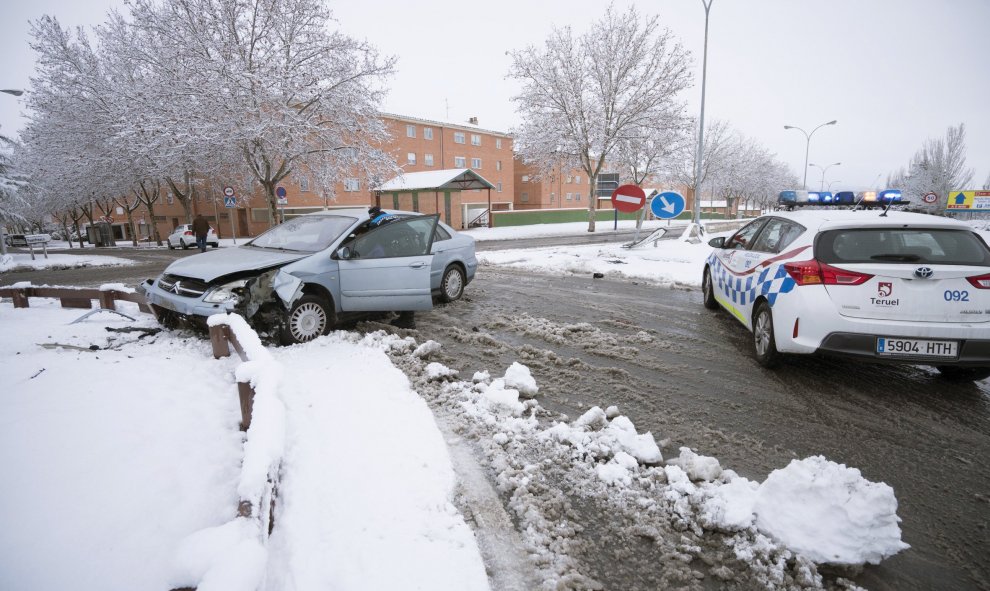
[{"x": 824, "y": 219}]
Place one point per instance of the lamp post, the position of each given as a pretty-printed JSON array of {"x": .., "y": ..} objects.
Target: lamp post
[
  {"x": 807, "y": 145},
  {"x": 13, "y": 92},
  {"x": 821, "y": 186},
  {"x": 701, "y": 122}
]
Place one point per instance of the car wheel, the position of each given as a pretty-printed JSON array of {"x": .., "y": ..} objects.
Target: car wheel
[
  {"x": 215, "y": 244},
  {"x": 169, "y": 242},
  {"x": 764, "y": 343},
  {"x": 183, "y": 244},
  {"x": 708, "y": 290},
  {"x": 311, "y": 316},
  {"x": 452, "y": 284},
  {"x": 963, "y": 374}
]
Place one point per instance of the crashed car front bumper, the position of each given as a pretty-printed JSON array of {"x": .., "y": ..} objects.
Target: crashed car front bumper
[{"x": 184, "y": 305}]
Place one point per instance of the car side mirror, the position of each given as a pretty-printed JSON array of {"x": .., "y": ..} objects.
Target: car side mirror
[
  {"x": 344, "y": 253},
  {"x": 717, "y": 242}
]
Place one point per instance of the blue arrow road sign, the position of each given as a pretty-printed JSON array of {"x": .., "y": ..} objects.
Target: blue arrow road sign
[
  {"x": 667, "y": 205},
  {"x": 230, "y": 201}
]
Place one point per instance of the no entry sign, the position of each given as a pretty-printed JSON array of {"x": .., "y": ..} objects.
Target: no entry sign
[{"x": 628, "y": 198}]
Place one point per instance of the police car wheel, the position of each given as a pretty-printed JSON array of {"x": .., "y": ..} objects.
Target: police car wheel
[
  {"x": 452, "y": 284},
  {"x": 708, "y": 290},
  {"x": 764, "y": 343},
  {"x": 310, "y": 317}
]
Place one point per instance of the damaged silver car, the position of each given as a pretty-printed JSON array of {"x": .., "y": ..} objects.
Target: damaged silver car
[{"x": 296, "y": 281}]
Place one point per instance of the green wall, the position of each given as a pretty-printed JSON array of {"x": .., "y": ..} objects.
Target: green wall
[{"x": 540, "y": 216}]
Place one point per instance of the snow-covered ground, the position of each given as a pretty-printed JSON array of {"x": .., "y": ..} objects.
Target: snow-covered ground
[{"x": 113, "y": 455}]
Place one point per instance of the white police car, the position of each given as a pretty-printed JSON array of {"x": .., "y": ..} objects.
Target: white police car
[{"x": 900, "y": 287}]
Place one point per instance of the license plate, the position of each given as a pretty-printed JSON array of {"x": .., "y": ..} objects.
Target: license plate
[
  {"x": 898, "y": 347},
  {"x": 155, "y": 299}
]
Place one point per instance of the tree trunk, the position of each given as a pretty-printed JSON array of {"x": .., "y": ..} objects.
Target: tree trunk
[{"x": 592, "y": 202}]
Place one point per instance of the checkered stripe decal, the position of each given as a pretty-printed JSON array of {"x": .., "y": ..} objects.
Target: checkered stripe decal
[{"x": 770, "y": 282}]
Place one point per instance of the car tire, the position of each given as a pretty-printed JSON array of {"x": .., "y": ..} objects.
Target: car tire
[
  {"x": 764, "y": 342},
  {"x": 215, "y": 244},
  {"x": 452, "y": 284},
  {"x": 183, "y": 244},
  {"x": 963, "y": 374},
  {"x": 169, "y": 243},
  {"x": 708, "y": 290},
  {"x": 310, "y": 317}
]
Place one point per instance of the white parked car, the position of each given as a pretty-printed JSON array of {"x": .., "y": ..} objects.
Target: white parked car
[
  {"x": 183, "y": 237},
  {"x": 901, "y": 287}
]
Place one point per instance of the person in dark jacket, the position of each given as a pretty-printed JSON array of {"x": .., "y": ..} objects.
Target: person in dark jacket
[{"x": 201, "y": 228}]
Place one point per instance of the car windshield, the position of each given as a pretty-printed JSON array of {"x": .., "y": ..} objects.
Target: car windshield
[
  {"x": 902, "y": 245},
  {"x": 308, "y": 233}
]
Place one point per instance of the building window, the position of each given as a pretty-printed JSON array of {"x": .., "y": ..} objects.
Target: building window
[
  {"x": 476, "y": 163},
  {"x": 459, "y": 162},
  {"x": 577, "y": 196},
  {"x": 568, "y": 197},
  {"x": 410, "y": 131},
  {"x": 498, "y": 143},
  {"x": 524, "y": 197},
  {"x": 498, "y": 187},
  {"x": 170, "y": 198},
  {"x": 498, "y": 165},
  {"x": 411, "y": 158},
  {"x": 475, "y": 139},
  {"x": 352, "y": 185},
  {"x": 428, "y": 159},
  {"x": 458, "y": 137},
  {"x": 525, "y": 178},
  {"x": 428, "y": 133},
  {"x": 577, "y": 179}
]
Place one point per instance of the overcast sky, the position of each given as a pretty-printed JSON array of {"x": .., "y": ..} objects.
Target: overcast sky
[{"x": 892, "y": 72}]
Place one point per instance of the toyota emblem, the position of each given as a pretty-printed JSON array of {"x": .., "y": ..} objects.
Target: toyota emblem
[{"x": 923, "y": 272}]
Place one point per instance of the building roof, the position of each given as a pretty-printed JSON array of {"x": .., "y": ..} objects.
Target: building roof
[
  {"x": 457, "y": 179},
  {"x": 464, "y": 126}
]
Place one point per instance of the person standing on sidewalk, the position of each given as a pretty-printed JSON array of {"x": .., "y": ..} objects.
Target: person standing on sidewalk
[{"x": 200, "y": 228}]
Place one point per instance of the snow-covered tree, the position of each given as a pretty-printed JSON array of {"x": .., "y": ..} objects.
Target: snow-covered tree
[
  {"x": 584, "y": 94},
  {"x": 938, "y": 166},
  {"x": 270, "y": 83}
]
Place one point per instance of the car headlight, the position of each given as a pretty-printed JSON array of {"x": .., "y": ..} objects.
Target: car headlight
[{"x": 225, "y": 293}]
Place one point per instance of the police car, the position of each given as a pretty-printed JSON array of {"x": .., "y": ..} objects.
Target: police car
[{"x": 893, "y": 287}]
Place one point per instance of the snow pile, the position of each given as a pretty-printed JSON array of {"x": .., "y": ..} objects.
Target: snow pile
[
  {"x": 829, "y": 513},
  {"x": 690, "y": 506},
  {"x": 18, "y": 261}
]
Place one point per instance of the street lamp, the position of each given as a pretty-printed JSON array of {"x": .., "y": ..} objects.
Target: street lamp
[
  {"x": 701, "y": 121},
  {"x": 822, "y": 185},
  {"x": 807, "y": 145},
  {"x": 13, "y": 92}
]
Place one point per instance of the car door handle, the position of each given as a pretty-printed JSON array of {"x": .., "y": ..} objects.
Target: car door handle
[{"x": 417, "y": 265}]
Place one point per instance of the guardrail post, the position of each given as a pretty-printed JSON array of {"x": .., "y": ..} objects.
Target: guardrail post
[
  {"x": 107, "y": 300},
  {"x": 219, "y": 340},
  {"x": 246, "y": 393},
  {"x": 20, "y": 298}
]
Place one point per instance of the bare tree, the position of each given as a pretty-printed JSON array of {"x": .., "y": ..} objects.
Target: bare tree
[{"x": 584, "y": 94}]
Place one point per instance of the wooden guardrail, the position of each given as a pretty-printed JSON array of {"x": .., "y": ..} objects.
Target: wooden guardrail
[
  {"x": 223, "y": 340},
  {"x": 72, "y": 297}
]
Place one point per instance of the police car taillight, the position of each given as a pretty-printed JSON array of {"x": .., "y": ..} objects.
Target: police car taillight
[
  {"x": 980, "y": 281},
  {"x": 815, "y": 273}
]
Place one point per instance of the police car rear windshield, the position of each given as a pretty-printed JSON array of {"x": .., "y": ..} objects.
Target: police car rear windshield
[{"x": 902, "y": 245}]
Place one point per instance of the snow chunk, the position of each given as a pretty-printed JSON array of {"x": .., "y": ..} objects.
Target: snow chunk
[
  {"x": 439, "y": 371},
  {"x": 426, "y": 349},
  {"x": 729, "y": 507},
  {"x": 593, "y": 419},
  {"x": 481, "y": 376},
  {"x": 498, "y": 393},
  {"x": 619, "y": 470},
  {"x": 518, "y": 377},
  {"x": 829, "y": 513},
  {"x": 117, "y": 287},
  {"x": 642, "y": 447},
  {"x": 697, "y": 467}
]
